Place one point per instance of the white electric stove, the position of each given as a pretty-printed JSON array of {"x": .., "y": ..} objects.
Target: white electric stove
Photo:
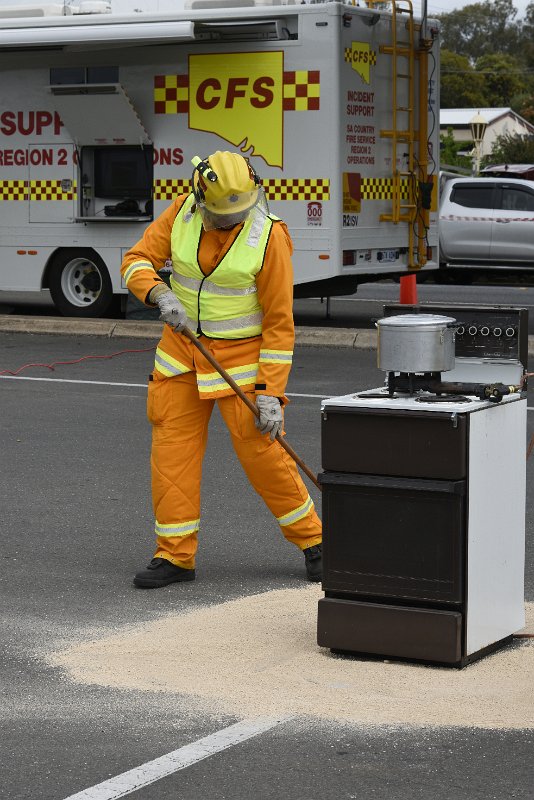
[{"x": 424, "y": 510}]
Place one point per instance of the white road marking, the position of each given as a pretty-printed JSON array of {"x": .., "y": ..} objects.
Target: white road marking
[
  {"x": 153, "y": 771},
  {"x": 110, "y": 383},
  {"x": 144, "y": 385},
  {"x": 297, "y": 394},
  {"x": 67, "y": 380}
]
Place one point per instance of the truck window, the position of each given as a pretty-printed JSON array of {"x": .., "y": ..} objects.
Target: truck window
[
  {"x": 515, "y": 199},
  {"x": 473, "y": 195},
  {"x": 72, "y": 76}
]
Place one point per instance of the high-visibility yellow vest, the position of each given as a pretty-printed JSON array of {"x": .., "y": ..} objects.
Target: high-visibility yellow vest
[{"x": 225, "y": 304}]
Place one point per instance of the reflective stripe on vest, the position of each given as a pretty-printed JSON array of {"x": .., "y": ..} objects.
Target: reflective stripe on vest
[
  {"x": 211, "y": 288},
  {"x": 225, "y": 305}
]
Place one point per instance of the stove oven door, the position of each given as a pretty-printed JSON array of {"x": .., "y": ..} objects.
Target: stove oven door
[{"x": 396, "y": 538}]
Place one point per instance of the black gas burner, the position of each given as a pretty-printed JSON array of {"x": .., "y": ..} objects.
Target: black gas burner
[{"x": 411, "y": 383}]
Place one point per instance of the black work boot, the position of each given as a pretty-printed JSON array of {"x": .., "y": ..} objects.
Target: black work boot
[
  {"x": 161, "y": 572},
  {"x": 313, "y": 557}
]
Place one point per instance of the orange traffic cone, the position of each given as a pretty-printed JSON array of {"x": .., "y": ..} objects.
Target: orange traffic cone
[{"x": 408, "y": 289}]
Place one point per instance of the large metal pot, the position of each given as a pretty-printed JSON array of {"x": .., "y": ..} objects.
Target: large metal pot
[{"x": 416, "y": 343}]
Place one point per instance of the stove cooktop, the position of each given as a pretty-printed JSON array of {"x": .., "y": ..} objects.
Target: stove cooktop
[{"x": 380, "y": 398}]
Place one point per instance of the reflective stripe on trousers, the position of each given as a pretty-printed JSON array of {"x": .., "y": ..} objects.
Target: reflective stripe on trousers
[
  {"x": 168, "y": 365},
  {"x": 297, "y": 513},
  {"x": 213, "y": 381},
  {"x": 178, "y": 528}
]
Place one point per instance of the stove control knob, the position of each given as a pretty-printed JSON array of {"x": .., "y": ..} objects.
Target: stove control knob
[
  {"x": 472, "y": 330},
  {"x": 509, "y": 332},
  {"x": 497, "y": 332},
  {"x": 460, "y": 330},
  {"x": 484, "y": 331}
]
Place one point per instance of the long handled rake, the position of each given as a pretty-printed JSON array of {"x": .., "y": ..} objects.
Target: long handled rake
[{"x": 237, "y": 389}]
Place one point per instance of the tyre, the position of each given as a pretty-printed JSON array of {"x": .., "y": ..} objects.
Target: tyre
[{"x": 79, "y": 284}]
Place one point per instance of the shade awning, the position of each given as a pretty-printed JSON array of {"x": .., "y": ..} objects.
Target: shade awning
[
  {"x": 102, "y": 34},
  {"x": 99, "y": 114}
]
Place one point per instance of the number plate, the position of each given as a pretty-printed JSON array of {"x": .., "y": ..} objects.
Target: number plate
[{"x": 387, "y": 255}]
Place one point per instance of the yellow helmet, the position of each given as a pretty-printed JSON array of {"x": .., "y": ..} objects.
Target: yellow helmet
[{"x": 225, "y": 183}]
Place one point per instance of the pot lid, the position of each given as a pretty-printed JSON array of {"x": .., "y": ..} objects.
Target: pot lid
[{"x": 429, "y": 322}]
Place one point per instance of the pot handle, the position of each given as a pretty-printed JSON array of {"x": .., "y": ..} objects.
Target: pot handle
[{"x": 455, "y": 324}]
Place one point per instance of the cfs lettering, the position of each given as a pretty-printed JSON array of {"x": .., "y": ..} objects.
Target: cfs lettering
[
  {"x": 212, "y": 93},
  {"x": 360, "y": 56}
]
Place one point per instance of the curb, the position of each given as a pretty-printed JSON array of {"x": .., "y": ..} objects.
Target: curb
[
  {"x": 148, "y": 329},
  {"x": 353, "y": 338}
]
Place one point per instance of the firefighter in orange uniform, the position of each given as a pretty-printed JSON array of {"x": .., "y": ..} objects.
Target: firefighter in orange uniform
[{"x": 232, "y": 285}]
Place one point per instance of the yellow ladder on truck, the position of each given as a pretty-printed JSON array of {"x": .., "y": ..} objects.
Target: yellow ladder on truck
[{"x": 403, "y": 134}]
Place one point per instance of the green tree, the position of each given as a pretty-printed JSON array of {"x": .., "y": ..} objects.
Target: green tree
[
  {"x": 523, "y": 105},
  {"x": 461, "y": 85},
  {"x": 481, "y": 28},
  {"x": 527, "y": 36},
  {"x": 503, "y": 78},
  {"x": 448, "y": 154},
  {"x": 513, "y": 149}
]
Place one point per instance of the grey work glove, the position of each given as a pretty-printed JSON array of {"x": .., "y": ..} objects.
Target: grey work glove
[
  {"x": 270, "y": 419},
  {"x": 172, "y": 311}
]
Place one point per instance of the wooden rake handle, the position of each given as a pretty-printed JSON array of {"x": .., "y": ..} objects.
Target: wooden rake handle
[{"x": 240, "y": 393}]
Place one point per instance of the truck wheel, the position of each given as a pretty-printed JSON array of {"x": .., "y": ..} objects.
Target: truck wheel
[{"x": 80, "y": 284}]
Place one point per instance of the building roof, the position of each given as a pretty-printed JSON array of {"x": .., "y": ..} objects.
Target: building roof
[{"x": 463, "y": 116}]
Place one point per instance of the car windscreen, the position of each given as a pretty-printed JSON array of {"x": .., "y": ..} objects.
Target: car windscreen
[{"x": 473, "y": 195}]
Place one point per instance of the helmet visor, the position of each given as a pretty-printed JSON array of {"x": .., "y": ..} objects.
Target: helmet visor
[{"x": 211, "y": 220}]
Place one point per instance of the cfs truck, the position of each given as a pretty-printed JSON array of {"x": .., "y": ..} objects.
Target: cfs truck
[{"x": 334, "y": 104}]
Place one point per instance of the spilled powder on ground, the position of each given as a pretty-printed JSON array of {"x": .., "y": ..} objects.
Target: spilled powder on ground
[{"x": 258, "y": 655}]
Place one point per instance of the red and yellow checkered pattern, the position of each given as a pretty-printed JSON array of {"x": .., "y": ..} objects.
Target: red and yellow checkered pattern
[
  {"x": 171, "y": 94},
  {"x": 301, "y": 90},
  {"x": 35, "y": 190},
  {"x": 14, "y": 190},
  {"x": 51, "y": 190},
  {"x": 275, "y": 188},
  {"x": 169, "y": 188},
  {"x": 381, "y": 189},
  {"x": 297, "y": 188}
]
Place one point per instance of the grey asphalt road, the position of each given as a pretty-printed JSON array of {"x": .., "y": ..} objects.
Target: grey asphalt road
[
  {"x": 76, "y": 525},
  {"x": 354, "y": 311}
]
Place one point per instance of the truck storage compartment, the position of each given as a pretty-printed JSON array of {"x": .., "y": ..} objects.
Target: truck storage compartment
[
  {"x": 380, "y": 442},
  {"x": 394, "y": 537},
  {"x": 378, "y": 629}
]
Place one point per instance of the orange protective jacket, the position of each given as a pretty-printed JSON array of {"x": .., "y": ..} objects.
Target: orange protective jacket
[{"x": 271, "y": 352}]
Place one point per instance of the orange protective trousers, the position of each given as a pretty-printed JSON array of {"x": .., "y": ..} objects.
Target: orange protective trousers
[{"x": 180, "y": 420}]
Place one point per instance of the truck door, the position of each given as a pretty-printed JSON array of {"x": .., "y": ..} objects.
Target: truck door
[
  {"x": 52, "y": 187},
  {"x": 512, "y": 234},
  {"x": 466, "y": 219}
]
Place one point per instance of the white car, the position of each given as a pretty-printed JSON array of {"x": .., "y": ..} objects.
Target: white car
[{"x": 487, "y": 222}]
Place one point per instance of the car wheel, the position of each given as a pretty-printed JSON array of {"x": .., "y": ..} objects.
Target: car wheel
[{"x": 80, "y": 285}]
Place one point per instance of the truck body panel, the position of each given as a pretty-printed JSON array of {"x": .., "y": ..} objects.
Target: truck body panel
[{"x": 304, "y": 91}]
